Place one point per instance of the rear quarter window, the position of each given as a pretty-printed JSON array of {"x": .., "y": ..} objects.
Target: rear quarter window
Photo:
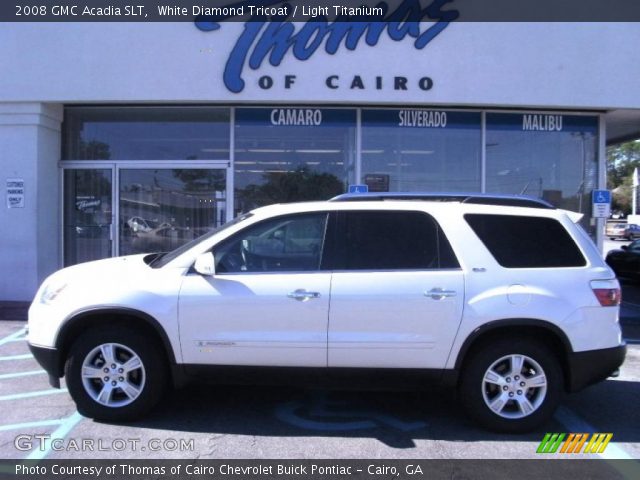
[{"x": 526, "y": 242}]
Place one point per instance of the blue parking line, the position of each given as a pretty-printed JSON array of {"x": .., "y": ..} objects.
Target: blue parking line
[
  {"x": 39, "y": 393},
  {"x": 21, "y": 374},
  {"x": 16, "y": 357},
  {"x": 62, "y": 431},
  {"x": 14, "y": 336},
  {"x": 25, "y": 425}
]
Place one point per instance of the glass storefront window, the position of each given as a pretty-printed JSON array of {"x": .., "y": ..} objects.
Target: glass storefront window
[
  {"x": 161, "y": 209},
  {"x": 415, "y": 150},
  {"x": 292, "y": 154},
  {"x": 87, "y": 215},
  {"x": 146, "y": 133},
  {"x": 549, "y": 156}
]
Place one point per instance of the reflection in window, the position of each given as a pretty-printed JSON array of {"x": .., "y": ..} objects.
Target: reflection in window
[
  {"x": 292, "y": 154},
  {"x": 161, "y": 209},
  {"x": 87, "y": 215},
  {"x": 547, "y": 156},
  {"x": 146, "y": 133},
  {"x": 421, "y": 150},
  {"x": 290, "y": 243}
]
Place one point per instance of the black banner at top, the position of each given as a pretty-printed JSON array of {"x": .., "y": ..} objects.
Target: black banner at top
[{"x": 401, "y": 11}]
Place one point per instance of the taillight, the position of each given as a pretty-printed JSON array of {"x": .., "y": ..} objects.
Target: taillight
[{"x": 608, "y": 297}]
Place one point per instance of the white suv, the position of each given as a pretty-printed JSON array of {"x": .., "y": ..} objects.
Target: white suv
[{"x": 504, "y": 297}]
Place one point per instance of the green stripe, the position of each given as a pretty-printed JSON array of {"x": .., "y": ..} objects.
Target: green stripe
[
  {"x": 543, "y": 443},
  {"x": 558, "y": 442},
  {"x": 550, "y": 443}
]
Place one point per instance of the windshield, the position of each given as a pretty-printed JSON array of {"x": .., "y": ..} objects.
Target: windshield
[{"x": 162, "y": 259}]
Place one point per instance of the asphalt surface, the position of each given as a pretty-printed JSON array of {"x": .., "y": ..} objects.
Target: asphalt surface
[{"x": 214, "y": 422}]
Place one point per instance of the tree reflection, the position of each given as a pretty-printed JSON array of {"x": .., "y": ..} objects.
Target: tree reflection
[
  {"x": 299, "y": 185},
  {"x": 94, "y": 150}
]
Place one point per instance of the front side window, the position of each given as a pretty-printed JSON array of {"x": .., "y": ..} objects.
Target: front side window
[
  {"x": 526, "y": 242},
  {"x": 388, "y": 240},
  {"x": 291, "y": 243}
]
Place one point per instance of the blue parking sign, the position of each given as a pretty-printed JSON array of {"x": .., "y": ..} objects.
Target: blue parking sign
[
  {"x": 358, "y": 188},
  {"x": 601, "y": 196}
]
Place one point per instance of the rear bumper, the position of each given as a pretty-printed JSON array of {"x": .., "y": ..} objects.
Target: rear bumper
[
  {"x": 50, "y": 360},
  {"x": 592, "y": 366}
]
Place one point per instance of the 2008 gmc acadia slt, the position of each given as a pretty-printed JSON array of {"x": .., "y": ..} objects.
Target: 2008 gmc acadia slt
[{"x": 504, "y": 297}]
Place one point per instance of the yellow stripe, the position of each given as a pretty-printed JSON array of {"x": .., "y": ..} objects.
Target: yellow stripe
[
  {"x": 588, "y": 447},
  {"x": 597, "y": 440},
  {"x": 608, "y": 438}
]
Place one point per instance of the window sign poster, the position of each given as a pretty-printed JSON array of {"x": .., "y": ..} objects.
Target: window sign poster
[{"x": 15, "y": 193}]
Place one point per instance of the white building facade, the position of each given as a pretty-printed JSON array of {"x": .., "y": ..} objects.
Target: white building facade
[{"x": 120, "y": 138}]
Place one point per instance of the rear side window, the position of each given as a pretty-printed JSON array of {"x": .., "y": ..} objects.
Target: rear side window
[
  {"x": 390, "y": 240},
  {"x": 526, "y": 242}
]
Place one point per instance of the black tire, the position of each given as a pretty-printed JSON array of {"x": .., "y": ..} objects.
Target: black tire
[
  {"x": 150, "y": 380},
  {"x": 473, "y": 389}
]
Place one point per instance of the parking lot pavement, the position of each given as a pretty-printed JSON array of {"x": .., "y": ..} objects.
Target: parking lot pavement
[{"x": 219, "y": 422}]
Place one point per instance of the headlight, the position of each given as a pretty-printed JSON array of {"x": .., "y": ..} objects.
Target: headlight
[{"x": 51, "y": 292}]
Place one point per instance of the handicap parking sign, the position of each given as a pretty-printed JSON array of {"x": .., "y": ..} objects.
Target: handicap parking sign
[
  {"x": 358, "y": 188},
  {"x": 601, "y": 196},
  {"x": 601, "y": 203}
]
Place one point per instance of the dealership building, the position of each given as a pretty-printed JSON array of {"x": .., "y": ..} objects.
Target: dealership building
[{"x": 120, "y": 138}]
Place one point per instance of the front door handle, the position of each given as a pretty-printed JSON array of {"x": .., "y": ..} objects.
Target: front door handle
[
  {"x": 302, "y": 295},
  {"x": 439, "y": 293}
]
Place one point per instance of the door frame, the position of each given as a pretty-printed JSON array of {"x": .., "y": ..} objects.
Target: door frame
[{"x": 116, "y": 166}]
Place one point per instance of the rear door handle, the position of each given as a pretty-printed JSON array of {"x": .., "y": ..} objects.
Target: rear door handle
[
  {"x": 302, "y": 295},
  {"x": 440, "y": 293}
]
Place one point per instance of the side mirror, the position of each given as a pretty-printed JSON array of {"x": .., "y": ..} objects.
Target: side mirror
[
  {"x": 624, "y": 247},
  {"x": 205, "y": 264}
]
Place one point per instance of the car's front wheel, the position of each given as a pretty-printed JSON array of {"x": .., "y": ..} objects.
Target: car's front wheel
[
  {"x": 511, "y": 385},
  {"x": 115, "y": 374}
]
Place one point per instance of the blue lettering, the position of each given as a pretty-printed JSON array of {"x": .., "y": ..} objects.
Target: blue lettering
[
  {"x": 312, "y": 31},
  {"x": 233, "y": 69},
  {"x": 275, "y": 39},
  {"x": 257, "y": 43}
]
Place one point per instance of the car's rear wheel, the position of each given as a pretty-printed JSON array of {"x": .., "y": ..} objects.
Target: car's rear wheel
[
  {"x": 511, "y": 385},
  {"x": 115, "y": 374}
]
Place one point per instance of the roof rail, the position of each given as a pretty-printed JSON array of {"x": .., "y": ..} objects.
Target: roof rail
[{"x": 475, "y": 198}]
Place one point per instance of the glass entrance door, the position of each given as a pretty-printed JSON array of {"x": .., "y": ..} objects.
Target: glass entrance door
[
  {"x": 154, "y": 209},
  {"x": 88, "y": 215},
  {"x": 160, "y": 209}
]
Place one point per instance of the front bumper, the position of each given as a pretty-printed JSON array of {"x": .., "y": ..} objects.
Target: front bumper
[
  {"x": 592, "y": 366},
  {"x": 50, "y": 360}
]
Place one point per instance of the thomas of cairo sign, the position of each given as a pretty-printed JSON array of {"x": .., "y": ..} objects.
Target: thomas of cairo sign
[{"x": 272, "y": 38}]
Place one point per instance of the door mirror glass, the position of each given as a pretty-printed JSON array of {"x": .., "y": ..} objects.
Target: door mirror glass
[{"x": 205, "y": 264}]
